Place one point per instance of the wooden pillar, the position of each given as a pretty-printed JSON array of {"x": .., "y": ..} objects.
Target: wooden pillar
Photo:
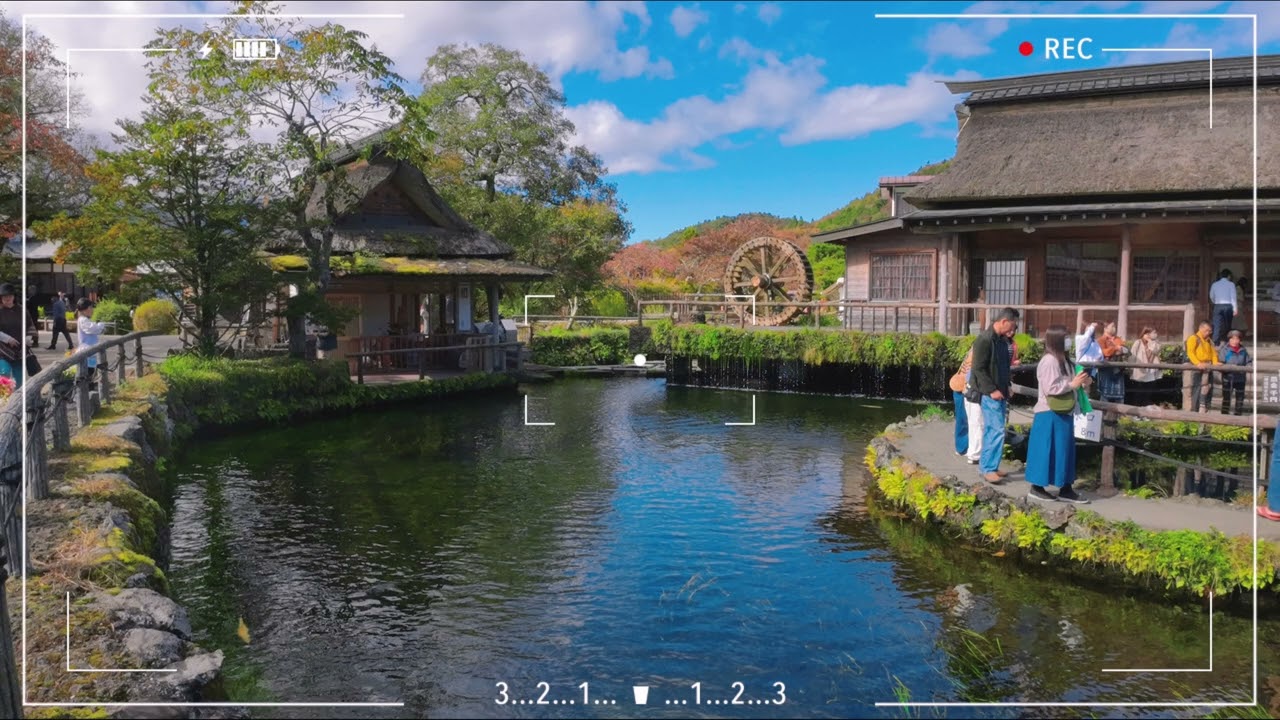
[
  {"x": 1107, "y": 473},
  {"x": 1189, "y": 326},
  {"x": 944, "y": 282},
  {"x": 1126, "y": 263},
  {"x": 496, "y": 353}
]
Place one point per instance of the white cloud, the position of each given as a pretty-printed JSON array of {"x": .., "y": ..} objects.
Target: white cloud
[
  {"x": 775, "y": 96},
  {"x": 579, "y": 37},
  {"x": 858, "y": 110},
  {"x": 687, "y": 19},
  {"x": 740, "y": 49},
  {"x": 963, "y": 39},
  {"x": 739, "y": 8},
  {"x": 769, "y": 13},
  {"x": 705, "y": 43}
]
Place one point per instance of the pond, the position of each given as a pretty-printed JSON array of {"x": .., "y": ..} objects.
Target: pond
[{"x": 453, "y": 559}]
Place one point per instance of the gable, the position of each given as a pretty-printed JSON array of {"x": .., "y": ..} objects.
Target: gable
[{"x": 388, "y": 203}]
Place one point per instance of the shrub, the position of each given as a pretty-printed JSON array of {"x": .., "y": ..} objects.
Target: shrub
[
  {"x": 156, "y": 315},
  {"x": 589, "y": 346},
  {"x": 114, "y": 311}
]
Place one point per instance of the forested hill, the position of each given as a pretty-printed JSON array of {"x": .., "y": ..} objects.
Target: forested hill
[{"x": 868, "y": 208}]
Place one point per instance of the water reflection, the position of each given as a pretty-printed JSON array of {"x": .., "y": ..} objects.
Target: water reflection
[{"x": 425, "y": 556}]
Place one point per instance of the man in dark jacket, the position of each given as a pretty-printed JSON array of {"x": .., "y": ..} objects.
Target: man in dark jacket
[
  {"x": 991, "y": 363},
  {"x": 59, "y": 312}
]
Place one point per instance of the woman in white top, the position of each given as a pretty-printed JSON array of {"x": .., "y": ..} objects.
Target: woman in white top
[
  {"x": 88, "y": 329},
  {"x": 1051, "y": 449}
]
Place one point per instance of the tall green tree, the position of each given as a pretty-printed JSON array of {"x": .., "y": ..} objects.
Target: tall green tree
[
  {"x": 502, "y": 155},
  {"x": 178, "y": 200},
  {"x": 327, "y": 89}
]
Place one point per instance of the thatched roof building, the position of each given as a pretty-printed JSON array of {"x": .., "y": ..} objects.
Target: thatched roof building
[
  {"x": 1115, "y": 133},
  {"x": 1111, "y": 193}
]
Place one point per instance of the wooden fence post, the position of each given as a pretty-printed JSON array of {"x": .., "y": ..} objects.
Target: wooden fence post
[
  {"x": 104, "y": 378},
  {"x": 61, "y": 392},
  {"x": 360, "y": 369},
  {"x": 1107, "y": 473},
  {"x": 120, "y": 364},
  {"x": 137, "y": 357},
  {"x": 82, "y": 393},
  {"x": 37, "y": 460},
  {"x": 10, "y": 696}
]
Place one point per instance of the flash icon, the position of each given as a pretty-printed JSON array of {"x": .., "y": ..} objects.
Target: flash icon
[{"x": 254, "y": 49}]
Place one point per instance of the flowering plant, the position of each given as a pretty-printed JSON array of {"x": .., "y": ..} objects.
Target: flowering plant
[{"x": 7, "y": 386}]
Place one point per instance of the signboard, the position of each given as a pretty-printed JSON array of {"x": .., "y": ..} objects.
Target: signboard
[
  {"x": 1271, "y": 388},
  {"x": 1088, "y": 426}
]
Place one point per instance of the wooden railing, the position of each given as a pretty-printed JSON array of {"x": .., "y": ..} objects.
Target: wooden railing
[
  {"x": 486, "y": 357},
  {"x": 24, "y": 456},
  {"x": 917, "y": 317}
]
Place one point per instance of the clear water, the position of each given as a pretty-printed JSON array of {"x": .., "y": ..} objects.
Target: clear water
[{"x": 425, "y": 556}]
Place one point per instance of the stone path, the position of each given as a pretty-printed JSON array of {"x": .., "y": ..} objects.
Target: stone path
[
  {"x": 154, "y": 348},
  {"x": 931, "y": 446}
]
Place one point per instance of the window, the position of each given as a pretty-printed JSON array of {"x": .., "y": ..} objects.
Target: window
[
  {"x": 1080, "y": 272},
  {"x": 902, "y": 276},
  {"x": 1166, "y": 278}
]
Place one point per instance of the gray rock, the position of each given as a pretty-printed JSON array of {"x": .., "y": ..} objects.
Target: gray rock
[
  {"x": 169, "y": 712},
  {"x": 153, "y": 648},
  {"x": 1059, "y": 517},
  {"x": 128, "y": 428},
  {"x": 142, "y": 608},
  {"x": 137, "y": 580},
  {"x": 195, "y": 673}
]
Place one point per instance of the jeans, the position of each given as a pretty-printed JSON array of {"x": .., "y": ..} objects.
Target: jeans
[
  {"x": 1201, "y": 389},
  {"x": 994, "y": 413},
  {"x": 1222, "y": 315},
  {"x": 962, "y": 423},
  {"x": 1273, "y": 482}
]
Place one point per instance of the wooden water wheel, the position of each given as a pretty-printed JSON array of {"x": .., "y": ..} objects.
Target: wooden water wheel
[{"x": 772, "y": 271}]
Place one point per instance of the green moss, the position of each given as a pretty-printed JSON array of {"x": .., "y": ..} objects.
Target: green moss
[
  {"x": 1183, "y": 560},
  {"x": 287, "y": 263},
  {"x": 75, "y": 713}
]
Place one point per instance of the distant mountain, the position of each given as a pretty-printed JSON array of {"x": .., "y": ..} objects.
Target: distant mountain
[{"x": 868, "y": 208}]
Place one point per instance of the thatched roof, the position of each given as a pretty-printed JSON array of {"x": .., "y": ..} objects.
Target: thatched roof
[
  {"x": 489, "y": 268},
  {"x": 1072, "y": 144},
  {"x": 423, "y": 226}
]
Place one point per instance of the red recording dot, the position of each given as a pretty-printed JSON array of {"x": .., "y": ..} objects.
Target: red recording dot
[{"x": 1026, "y": 48}]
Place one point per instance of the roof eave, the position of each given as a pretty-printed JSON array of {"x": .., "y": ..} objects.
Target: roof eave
[{"x": 842, "y": 235}]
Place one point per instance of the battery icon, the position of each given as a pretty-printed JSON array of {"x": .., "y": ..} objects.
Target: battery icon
[{"x": 254, "y": 49}]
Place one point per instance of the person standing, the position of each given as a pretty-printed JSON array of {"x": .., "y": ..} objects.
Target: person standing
[
  {"x": 33, "y": 314},
  {"x": 1233, "y": 383},
  {"x": 88, "y": 330},
  {"x": 1051, "y": 452},
  {"x": 1111, "y": 380},
  {"x": 957, "y": 384},
  {"x": 1222, "y": 296},
  {"x": 1201, "y": 353},
  {"x": 1271, "y": 510},
  {"x": 59, "y": 311},
  {"x": 1146, "y": 350},
  {"x": 12, "y": 349},
  {"x": 991, "y": 365}
]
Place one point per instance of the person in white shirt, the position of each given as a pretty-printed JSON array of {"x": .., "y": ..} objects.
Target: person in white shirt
[
  {"x": 1222, "y": 295},
  {"x": 88, "y": 329}
]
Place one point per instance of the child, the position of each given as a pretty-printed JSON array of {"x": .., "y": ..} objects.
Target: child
[
  {"x": 1233, "y": 353},
  {"x": 88, "y": 330}
]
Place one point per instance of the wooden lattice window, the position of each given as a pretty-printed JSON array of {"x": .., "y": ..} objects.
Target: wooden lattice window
[
  {"x": 1082, "y": 272},
  {"x": 902, "y": 276},
  {"x": 1166, "y": 278}
]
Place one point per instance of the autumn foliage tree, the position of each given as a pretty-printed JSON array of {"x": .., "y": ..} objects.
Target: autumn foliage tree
[
  {"x": 643, "y": 270},
  {"x": 702, "y": 259},
  {"x": 55, "y": 168}
]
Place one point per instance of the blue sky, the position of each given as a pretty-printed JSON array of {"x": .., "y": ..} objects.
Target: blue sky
[{"x": 714, "y": 108}]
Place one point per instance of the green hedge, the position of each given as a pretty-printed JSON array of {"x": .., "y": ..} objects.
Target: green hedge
[
  {"x": 218, "y": 392},
  {"x": 112, "y": 311},
  {"x": 588, "y": 346},
  {"x": 816, "y": 347}
]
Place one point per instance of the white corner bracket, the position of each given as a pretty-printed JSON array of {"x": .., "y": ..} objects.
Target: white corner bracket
[
  {"x": 753, "y": 413},
  {"x": 526, "y": 415},
  {"x": 526, "y": 306},
  {"x": 1177, "y": 670},
  {"x": 744, "y": 297}
]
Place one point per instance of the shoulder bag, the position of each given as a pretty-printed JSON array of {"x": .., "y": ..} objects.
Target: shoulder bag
[{"x": 1062, "y": 404}]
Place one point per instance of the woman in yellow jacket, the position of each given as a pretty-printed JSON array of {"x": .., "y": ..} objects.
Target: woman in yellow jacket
[{"x": 1201, "y": 352}]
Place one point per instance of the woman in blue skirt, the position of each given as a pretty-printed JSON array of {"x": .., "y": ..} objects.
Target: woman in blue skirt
[{"x": 1051, "y": 450}]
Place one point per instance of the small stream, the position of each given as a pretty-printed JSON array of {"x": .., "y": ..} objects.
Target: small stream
[{"x": 452, "y": 557}]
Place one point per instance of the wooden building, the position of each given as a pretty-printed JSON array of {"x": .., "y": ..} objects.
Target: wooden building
[
  {"x": 413, "y": 271},
  {"x": 1091, "y": 195}
]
